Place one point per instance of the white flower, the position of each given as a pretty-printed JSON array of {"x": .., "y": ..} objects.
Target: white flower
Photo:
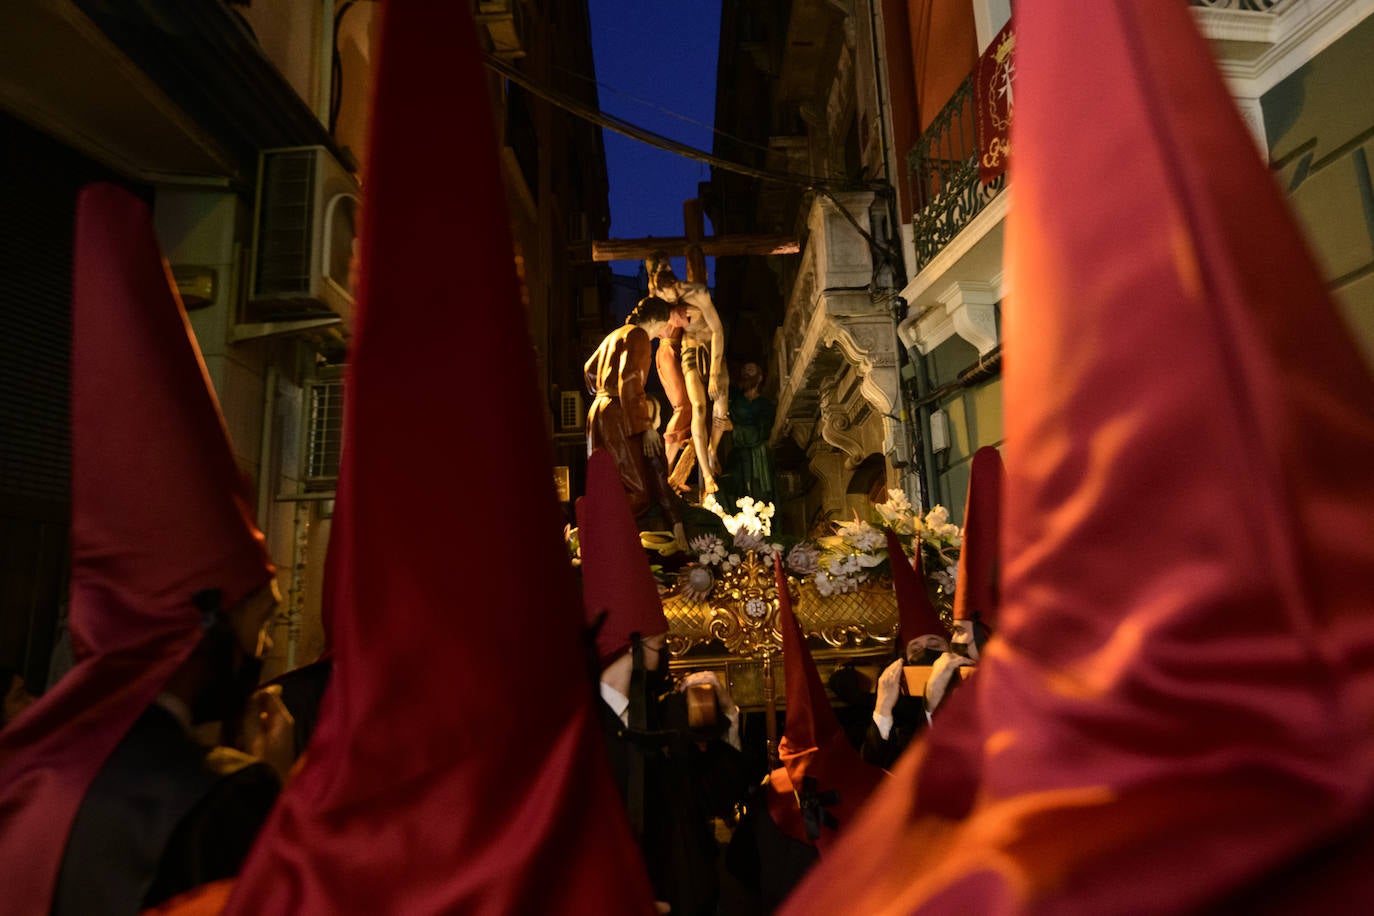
[
  {"x": 698, "y": 583},
  {"x": 753, "y": 517},
  {"x": 749, "y": 542},
  {"x": 710, "y": 550},
  {"x": 803, "y": 559},
  {"x": 861, "y": 536}
]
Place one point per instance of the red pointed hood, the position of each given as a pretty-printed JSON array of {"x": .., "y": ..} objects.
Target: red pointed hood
[
  {"x": 157, "y": 516},
  {"x": 458, "y": 765},
  {"x": 916, "y": 615},
  {"x": 815, "y": 751},
  {"x": 976, "y": 594},
  {"x": 616, "y": 579},
  {"x": 1179, "y": 699}
]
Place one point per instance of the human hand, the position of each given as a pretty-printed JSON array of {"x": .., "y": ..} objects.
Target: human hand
[
  {"x": 724, "y": 701},
  {"x": 270, "y": 730},
  {"x": 940, "y": 674},
  {"x": 889, "y": 688},
  {"x": 653, "y": 443},
  {"x": 727, "y": 702}
]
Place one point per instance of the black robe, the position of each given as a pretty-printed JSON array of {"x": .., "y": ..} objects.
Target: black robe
[
  {"x": 162, "y": 816},
  {"x": 686, "y": 784},
  {"x": 908, "y": 723}
]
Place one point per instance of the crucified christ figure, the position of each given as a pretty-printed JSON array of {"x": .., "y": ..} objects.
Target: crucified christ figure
[{"x": 691, "y": 367}]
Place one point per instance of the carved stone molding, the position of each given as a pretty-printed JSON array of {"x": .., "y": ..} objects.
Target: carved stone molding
[
  {"x": 837, "y": 427},
  {"x": 831, "y": 309},
  {"x": 869, "y": 345},
  {"x": 829, "y": 467},
  {"x": 965, "y": 308},
  {"x": 843, "y": 260}
]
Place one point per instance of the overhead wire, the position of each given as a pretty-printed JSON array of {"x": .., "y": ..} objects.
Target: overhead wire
[
  {"x": 651, "y": 138},
  {"x": 885, "y": 254},
  {"x": 648, "y": 103}
]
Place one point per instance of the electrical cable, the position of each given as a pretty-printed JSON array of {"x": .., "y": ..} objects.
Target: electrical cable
[
  {"x": 650, "y": 138},
  {"x": 662, "y": 110}
]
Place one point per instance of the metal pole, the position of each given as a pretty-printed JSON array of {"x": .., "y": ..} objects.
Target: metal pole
[{"x": 770, "y": 702}]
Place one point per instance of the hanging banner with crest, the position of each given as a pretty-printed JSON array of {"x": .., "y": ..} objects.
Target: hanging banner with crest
[{"x": 992, "y": 89}]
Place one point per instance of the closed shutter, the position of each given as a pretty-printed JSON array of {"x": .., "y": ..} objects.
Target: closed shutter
[{"x": 39, "y": 181}]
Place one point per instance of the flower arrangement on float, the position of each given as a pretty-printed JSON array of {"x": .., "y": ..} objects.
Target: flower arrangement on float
[{"x": 834, "y": 564}]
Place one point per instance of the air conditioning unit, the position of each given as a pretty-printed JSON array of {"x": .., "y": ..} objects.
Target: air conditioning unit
[{"x": 305, "y": 223}]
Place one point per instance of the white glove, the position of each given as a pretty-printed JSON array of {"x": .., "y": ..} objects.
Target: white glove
[
  {"x": 889, "y": 689},
  {"x": 727, "y": 702},
  {"x": 940, "y": 674}
]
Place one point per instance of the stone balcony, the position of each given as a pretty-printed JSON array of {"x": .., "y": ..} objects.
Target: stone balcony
[{"x": 835, "y": 355}]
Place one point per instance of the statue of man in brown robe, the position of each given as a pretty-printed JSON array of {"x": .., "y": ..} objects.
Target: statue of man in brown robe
[{"x": 621, "y": 419}]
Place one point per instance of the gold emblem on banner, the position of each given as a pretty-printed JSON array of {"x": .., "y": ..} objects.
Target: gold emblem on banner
[{"x": 1001, "y": 103}]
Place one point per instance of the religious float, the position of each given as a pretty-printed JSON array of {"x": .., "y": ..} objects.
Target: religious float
[{"x": 722, "y": 607}]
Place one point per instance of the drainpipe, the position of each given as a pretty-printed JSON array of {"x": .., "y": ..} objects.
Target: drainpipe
[
  {"x": 324, "y": 70},
  {"x": 912, "y": 420}
]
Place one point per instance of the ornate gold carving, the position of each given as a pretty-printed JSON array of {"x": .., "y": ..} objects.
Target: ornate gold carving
[
  {"x": 736, "y": 629},
  {"x": 740, "y": 618},
  {"x": 745, "y": 619}
]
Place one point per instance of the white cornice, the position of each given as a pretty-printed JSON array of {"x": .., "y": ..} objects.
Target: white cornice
[{"x": 1294, "y": 32}]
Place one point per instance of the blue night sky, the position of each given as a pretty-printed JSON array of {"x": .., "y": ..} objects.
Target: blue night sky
[{"x": 663, "y": 53}]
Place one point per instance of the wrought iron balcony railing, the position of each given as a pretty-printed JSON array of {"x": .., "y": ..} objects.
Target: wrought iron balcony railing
[
  {"x": 943, "y": 176},
  {"x": 1256, "y": 6}
]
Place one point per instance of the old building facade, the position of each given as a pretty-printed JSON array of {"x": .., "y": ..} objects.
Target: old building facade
[
  {"x": 214, "y": 112},
  {"x": 886, "y": 355}
]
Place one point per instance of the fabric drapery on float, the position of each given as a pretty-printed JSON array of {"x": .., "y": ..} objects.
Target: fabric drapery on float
[
  {"x": 457, "y": 766},
  {"x": 1175, "y": 713},
  {"x": 158, "y": 515}
]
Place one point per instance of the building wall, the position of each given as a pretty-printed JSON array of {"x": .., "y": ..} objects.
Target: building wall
[
  {"x": 944, "y": 48},
  {"x": 290, "y": 33},
  {"x": 1320, "y": 126},
  {"x": 39, "y": 181}
]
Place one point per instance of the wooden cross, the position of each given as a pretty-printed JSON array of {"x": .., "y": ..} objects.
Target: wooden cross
[{"x": 694, "y": 244}]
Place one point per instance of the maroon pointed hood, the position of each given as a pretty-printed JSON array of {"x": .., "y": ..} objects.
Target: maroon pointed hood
[
  {"x": 916, "y": 615},
  {"x": 976, "y": 595},
  {"x": 1178, "y": 703},
  {"x": 458, "y": 766},
  {"x": 157, "y": 516},
  {"x": 616, "y": 579},
  {"x": 815, "y": 751}
]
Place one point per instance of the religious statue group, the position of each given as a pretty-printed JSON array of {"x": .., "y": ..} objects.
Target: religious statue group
[{"x": 624, "y": 419}]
